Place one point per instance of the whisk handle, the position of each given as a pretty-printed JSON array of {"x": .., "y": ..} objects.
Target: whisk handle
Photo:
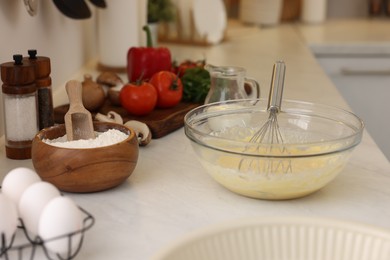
[{"x": 276, "y": 89}]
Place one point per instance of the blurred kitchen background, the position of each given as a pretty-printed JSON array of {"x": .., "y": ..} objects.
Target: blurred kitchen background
[{"x": 71, "y": 43}]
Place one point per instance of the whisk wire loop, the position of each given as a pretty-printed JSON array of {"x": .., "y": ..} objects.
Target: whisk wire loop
[{"x": 269, "y": 137}]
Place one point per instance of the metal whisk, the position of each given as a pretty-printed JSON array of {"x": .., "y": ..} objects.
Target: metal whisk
[{"x": 269, "y": 133}]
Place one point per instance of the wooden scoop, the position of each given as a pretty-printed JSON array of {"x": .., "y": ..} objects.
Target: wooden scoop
[{"x": 78, "y": 120}]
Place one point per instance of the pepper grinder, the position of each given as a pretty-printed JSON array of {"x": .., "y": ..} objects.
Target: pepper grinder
[
  {"x": 20, "y": 107},
  {"x": 44, "y": 90}
]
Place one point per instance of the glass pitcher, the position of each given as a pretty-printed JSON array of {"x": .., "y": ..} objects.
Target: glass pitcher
[{"x": 229, "y": 82}]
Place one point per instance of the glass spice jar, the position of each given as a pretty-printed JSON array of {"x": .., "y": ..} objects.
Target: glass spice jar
[
  {"x": 44, "y": 90},
  {"x": 20, "y": 107}
]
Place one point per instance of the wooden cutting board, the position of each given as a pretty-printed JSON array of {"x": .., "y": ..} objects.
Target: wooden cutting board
[{"x": 161, "y": 121}]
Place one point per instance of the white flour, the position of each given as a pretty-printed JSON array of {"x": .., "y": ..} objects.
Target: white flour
[{"x": 107, "y": 138}]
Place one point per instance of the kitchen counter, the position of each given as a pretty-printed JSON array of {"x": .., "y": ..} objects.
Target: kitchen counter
[
  {"x": 348, "y": 37},
  {"x": 169, "y": 193}
]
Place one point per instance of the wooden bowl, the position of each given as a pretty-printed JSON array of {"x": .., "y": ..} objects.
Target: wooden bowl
[{"x": 84, "y": 170}]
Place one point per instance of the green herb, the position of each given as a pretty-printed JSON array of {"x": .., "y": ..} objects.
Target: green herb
[
  {"x": 196, "y": 84},
  {"x": 160, "y": 10}
]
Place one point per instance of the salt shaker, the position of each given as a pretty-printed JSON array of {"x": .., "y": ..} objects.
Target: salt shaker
[
  {"x": 20, "y": 107},
  {"x": 44, "y": 90}
]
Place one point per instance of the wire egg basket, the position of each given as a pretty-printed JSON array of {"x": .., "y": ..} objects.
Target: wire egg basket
[{"x": 22, "y": 246}]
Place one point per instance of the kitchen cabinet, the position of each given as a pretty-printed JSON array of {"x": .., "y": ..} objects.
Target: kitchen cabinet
[{"x": 364, "y": 81}]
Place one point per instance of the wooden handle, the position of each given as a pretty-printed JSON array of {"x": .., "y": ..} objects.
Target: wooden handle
[
  {"x": 78, "y": 120},
  {"x": 74, "y": 90}
]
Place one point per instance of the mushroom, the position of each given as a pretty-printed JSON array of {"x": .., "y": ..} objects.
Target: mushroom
[
  {"x": 141, "y": 130},
  {"x": 113, "y": 94},
  {"x": 110, "y": 117},
  {"x": 109, "y": 78},
  {"x": 93, "y": 94}
]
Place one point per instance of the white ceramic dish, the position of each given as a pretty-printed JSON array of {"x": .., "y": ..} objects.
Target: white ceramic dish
[
  {"x": 210, "y": 19},
  {"x": 282, "y": 238}
]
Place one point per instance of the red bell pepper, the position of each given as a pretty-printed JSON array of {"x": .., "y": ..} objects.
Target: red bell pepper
[{"x": 143, "y": 62}]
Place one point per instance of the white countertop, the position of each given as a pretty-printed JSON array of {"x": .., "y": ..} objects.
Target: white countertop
[
  {"x": 349, "y": 37},
  {"x": 348, "y": 31},
  {"x": 169, "y": 193}
]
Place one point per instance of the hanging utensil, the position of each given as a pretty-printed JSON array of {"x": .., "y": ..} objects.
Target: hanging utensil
[
  {"x": 99, "y": 3},
  {"x": 78, "y": 120},
  {"x": 75, "y": 9}
]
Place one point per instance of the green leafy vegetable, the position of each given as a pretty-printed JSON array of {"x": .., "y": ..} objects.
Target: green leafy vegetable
[{"x": 196, "y": 84}]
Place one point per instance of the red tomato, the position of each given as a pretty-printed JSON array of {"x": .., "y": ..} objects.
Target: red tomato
[
  {"x": 181, "y": 69},
  {"x": 169, "y": 88},
  {"x": 138, "y": 99}
]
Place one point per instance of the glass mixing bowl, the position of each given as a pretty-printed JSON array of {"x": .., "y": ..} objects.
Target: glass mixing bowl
[{"x": 317, "y": 141}]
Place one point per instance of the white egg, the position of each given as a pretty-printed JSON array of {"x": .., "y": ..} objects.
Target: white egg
[
  {"x": 17, "y": 181},
  {"x": 32, "y": 203},
  {"x": 8, "y": 219},
  {"x": 60, "y": 217}
]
